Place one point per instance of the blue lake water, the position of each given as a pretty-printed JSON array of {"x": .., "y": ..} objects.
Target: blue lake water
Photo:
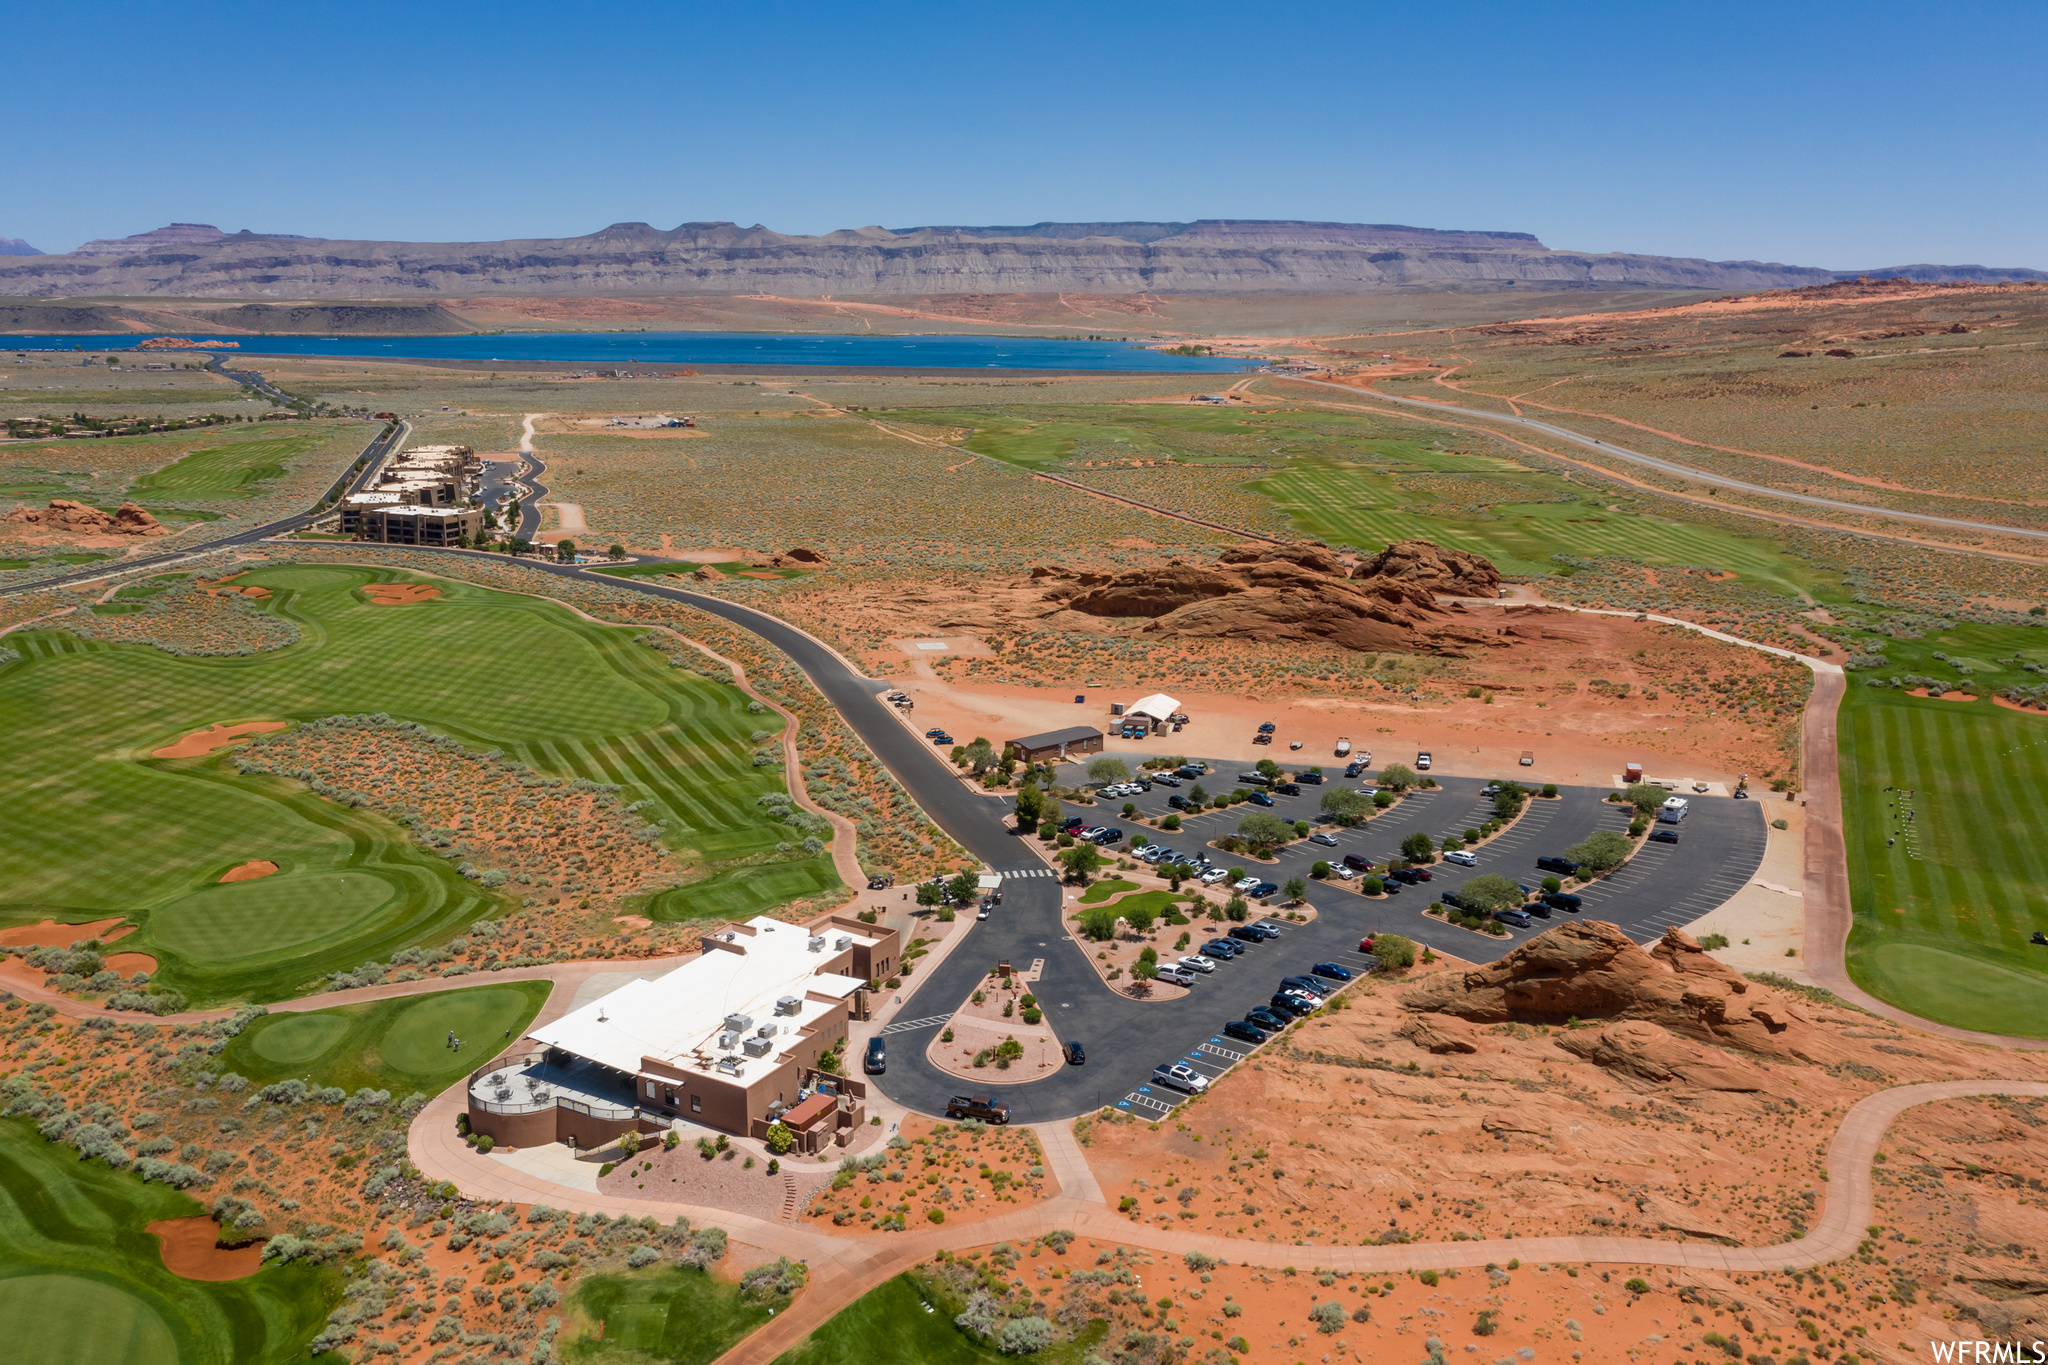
[{"x": 611, "y": 349}]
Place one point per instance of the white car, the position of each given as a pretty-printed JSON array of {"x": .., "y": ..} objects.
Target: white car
[
  {"x": 1247, "y": 884},
  {"x": 1181, "y": 1076},
  {"x": 1175, "y": 976},
  {"x": 1214, "y": 875},
  {"x": 1323, "y": 837},
  {"x": 1422, "y": 762},
  {"x": 1461, "y": 858},
  {"x": 1197, "y": 964},
  {"x": 1339, "y": 870}
]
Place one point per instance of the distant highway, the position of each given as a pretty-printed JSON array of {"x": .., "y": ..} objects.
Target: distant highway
[{"x": 1684, "y": 471}]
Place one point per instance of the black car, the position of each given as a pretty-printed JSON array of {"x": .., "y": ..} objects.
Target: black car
[
  {"x": 1538, "y": 909},
  {"x": 1071, "y": 823},
  {"x": 1313, "y": 779},
  {"x": 1407, "y": 876},
  {"x": 1246, "y": 933},
  {"x": 1177, "y": 802},
  {"x": 1353, "y": 769},
  {"x": 1076, "y": 1055},
  {"x": 1110, "y": 835},
  {"x": 876, "y": 1062},
  {"x": 1243, "y": 1032},
  {"x": 1267, "y": 1019},
  {"x": 1252, "y": 779},
  {"x": 1318, "y": 989},
  {"x": 1192, "y": 769},
  {"x": 1291, "y": 1006},
  {"x": 1564, "y": 867},
  {"x": 1562, "y": 900},
  {"x": 1663, "y": 836},
  {"x": 1263, "y": 890},
  {"x": 1288, "y": 789}
]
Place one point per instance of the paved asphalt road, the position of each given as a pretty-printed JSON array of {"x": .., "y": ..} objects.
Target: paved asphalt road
[{"x": 1696, "y": 475}]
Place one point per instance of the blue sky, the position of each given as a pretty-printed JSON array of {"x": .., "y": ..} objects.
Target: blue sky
[{"x": 1838, "y": 135}]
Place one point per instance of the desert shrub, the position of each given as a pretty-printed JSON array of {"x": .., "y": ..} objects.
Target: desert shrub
[
  {"x": 1328, "y": 1316},
  {"x": 1024, "y": 1336},
  {"x": 1394, "y": 951}
]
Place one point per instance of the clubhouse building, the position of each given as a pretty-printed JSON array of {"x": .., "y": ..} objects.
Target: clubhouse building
[{"x": 729, "y": 1040}]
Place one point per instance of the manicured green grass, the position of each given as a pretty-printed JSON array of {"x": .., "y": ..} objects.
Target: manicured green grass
[
  {"x": 82, "y": 1281},
  {"x": 1046, "y": 438},
  {"x": 91, "y": 825},
  {"x": 398, "y": 1045},
  {"x": 905, "y": 1322},
  {"x": 1158, "y": 902},
  {"x": 671, "y": 1314},
  {"x": 665, "y": 567},
  {"x": 1103, "y": 890},
  {"x": 231, "y": 470},
  {"x": 1944, "y": 911}
]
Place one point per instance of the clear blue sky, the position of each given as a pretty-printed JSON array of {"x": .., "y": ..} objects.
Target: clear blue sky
[{"x": 1838, "y": 135}]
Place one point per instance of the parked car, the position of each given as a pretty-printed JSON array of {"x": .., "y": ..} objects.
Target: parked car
[
  {"x": 1288, "y": 789},
  {"x": 1333, "y": 972},
  {"x": 1180, "y": 1076},
  {"x": 1663, "y": 836},
  {"x": 1221, "y": 947},
  {"x": 1461, "y": 857},
  {"x": 1263, "y": 930},
  {"x": 1262, "y": 890},
  {"x": 875, "y": 1061},
  {"x": 1389, "y": 888},
  {"x": 977, "y": 1107},
  {"x": 1423, "y": 874},
  {"x": 1353, "y": 769},
  {"x": 1110, "y": 835},
  {"x": 1177, "y": 802},
  {"x": 1076, "y": 1055},
  {"x": 1260, "y": 799},
  {"x": 1343, "y": 872},
  {"x": 1213, "y": 876},
  {"x": 1358, "y": 861},
  {"x": 1252, "y": 779},
  {"x": 1510, "y": 914},
  {"x": 1422, "y": 761},
  {"x": 1537, "y": 908},
  {"x": 983, "y": 912},
  {"x": 1243, "y": 1032},
  {"x": 1564, "y": 867},
  {"x": 1244, "y": 933},
  {"x": 1269, "y": 1019},
  {"x": 1316, "y": 988},
  {"x": 1197, "y": 964},
  {"x": 1313, "y": 779},
  {"x": 1407, "y": 876},
  {"x": 1167, "y": 780},
  {"x": 1089, "y": 832},
  {"x": 1289, "y": 1005},
  {"x": 1563, "y": 900},
  {"x": 1174, "y": 976},
  {"x": 1323, "y": 837},
  {"x": 1071, "y": 823},
  {"x": 1192, "y": 770}
]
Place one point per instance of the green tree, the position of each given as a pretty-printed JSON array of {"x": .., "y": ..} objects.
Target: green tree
[
  {"x": 1600, "y": 850},
  {"x": 1171, "y": 822},
  {"x": 1081, "y": 861},
  {"x": 1265, "y": 829},
  {"x": 1146, "y": 968},
  {"x": 930, "y": 893},
  {"x": 1048, "y": 830},
  {"x": 1098, "y": 922},
  {"x": 1552, "y": 884},
  {"x": 1452, "y": 843},
  {"x": 1296, "y": 888},
  {"x": 565, "y": 551},
  {"x": 1345, "y": 803},
  {"x": 1397, "y": 777},
  {"x": 1140, "y": 916},
  {"x": 1197, "y": 797},
  {"x": 1646, "y": 797},
  {"x": 1509, "y": 799},
  {"x": 1488, "y": 893},
  {"x": 1301, "y": 828},
  {"x": 980, "y": 755},
  {"x": 1394, "y": 952},
  {"x": 1238, "y": 908},
  {"x": 616, "y": 552},
  {"x": 962, "y": 886},
  {"x": 1372, "y": 886},
  {"x": 1030, "y": 804},
  {"x": 1268, "y": 769},
  {"x": 780, "y": 1138},
  {"x": 1106, "y": 770},
  {"x": 1418, "y": 848},
  {"x": 1383, "y": 799},
  {"x": 1321, "y": 870}
]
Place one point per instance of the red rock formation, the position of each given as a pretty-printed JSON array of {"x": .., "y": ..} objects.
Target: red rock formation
[
  {"x": 78, "y": 519},
  {"x": 1418, "y": 563}
]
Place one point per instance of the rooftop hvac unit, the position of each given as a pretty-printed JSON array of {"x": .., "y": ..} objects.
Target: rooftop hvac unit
[
  {"x": 817, "y": 943},
  {"x": 732, "y": 1066},
  {"x": 790, "y": 1004},
  {"x": 845, "y": 942},
  {"x": 728, "y": 1041},
  {"x": 767, "y": 1030},
  {"x": 758, "y": 1047},
  {"x": 739, "y": 1023}
]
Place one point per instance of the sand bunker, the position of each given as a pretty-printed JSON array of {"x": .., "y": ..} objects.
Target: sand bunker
[
  {"x": 1946, "y": 696},
  {"x": 216, "y": 736},
  {"x": 189, "y": 1250},
  {"x": 51, "y": 934},
  {"x": 249, "y": 871},
  {"x": 398, "y": 594},
  {"x": 130, "y": 963}
]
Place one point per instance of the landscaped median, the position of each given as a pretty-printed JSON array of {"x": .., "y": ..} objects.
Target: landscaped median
[{"x": 999, "y": 1035}]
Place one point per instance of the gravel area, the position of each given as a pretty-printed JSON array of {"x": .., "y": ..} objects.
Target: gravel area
[{"x": 686, "y": 1177}]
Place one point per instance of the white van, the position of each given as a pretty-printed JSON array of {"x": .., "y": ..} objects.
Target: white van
[{"x": 1673, "y": 810}]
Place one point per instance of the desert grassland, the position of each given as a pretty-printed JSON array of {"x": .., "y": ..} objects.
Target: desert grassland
[
  {"x": 219, "y": 472},
  {"x": 400, "y": 1045},
  {"x": 95, "y": 826},
  {"x": 39, "y": 382},
  {"x": 1959, "y": 413},
  {"x": 82, "y": 1281},
  {"x": 1943, "y": 914},
  {"x": 890, "y": 1325},
  {"x": 832, "y": 483}
]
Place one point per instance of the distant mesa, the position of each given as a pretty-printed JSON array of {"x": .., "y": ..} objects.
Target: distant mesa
[
  {"x": 14, "y": 246},
  {"x": 1211, "y": 256}
]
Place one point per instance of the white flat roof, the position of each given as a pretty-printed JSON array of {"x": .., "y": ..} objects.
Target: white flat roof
[
  {"x": 414, "y": 510},
  {"x": 678, "y": 1017}
]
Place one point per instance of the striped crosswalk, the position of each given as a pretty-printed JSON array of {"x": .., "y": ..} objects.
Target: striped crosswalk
[
  {"x": 913, "y": 1025},
  {"x": 1009, "y": 872}
]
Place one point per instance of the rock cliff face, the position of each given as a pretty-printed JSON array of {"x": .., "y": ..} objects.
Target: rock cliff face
[
  {"x": 1209, "y": 257},
  {"x": 1294, "y": 592}
]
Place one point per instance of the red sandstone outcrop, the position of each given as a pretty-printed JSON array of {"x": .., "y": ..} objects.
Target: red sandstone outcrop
[
  {"x": 76, "y": 518},
  {"x": 1294, "y": 592},
  {"x": 1645, "y": 1054},
  {"x": 1589, "y": 970}
]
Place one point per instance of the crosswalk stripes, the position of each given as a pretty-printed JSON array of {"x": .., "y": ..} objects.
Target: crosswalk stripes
[
  {"x": 912, "y": 1025},
  {"x": 1009, "y": 872}
]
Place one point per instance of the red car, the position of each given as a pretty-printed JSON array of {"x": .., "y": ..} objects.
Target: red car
[{"x": 1365, "y": 945}]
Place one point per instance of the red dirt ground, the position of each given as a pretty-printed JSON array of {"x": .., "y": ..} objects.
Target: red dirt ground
[
  {"x": 200, "y": 743},
  {"x": 249, "y": 871},
  {"x": 51, "y": 934},
  {"x": 189, "y": 1250}
]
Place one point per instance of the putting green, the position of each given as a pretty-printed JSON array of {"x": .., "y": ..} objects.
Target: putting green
[
  {"x": 78, "y": 1320},
  {"x": 670, "y": 1314},
  {"x": 91, "y": 825},
  {"x": 400, "y": 1045},
  {"x": 254, "y": 920},
  {"x": 296, "y": 1039},
  {"x": 1957, "y": 989}
]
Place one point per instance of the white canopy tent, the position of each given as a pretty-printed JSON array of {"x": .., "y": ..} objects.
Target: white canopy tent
[{"x": 1158, "y": 706}]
